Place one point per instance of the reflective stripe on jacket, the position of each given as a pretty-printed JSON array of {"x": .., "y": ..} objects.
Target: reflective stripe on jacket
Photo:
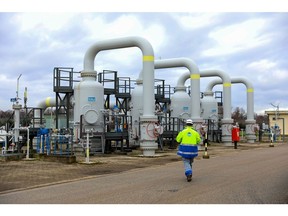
[
  {"x": 188, "y": 139},
  {"x": 188, "y": 151}
]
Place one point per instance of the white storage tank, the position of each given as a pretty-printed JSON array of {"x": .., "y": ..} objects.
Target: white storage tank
[
  {"x": 209, "y": 106},
  {"x": 180, "y": 103},
  {"x": 136, "y": 109},
  {"x": 89, "y": 102}
]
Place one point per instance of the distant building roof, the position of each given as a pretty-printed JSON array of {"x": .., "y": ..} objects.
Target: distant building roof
[{"x": 280, "y": 112}]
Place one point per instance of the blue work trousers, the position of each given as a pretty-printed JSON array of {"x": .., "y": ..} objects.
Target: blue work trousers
[{"x": 188, "y": 165}]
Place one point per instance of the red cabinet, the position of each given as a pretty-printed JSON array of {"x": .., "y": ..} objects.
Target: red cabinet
[{"x": 235, "y": 134}]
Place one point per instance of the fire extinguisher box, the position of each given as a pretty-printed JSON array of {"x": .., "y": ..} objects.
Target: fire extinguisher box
[{"x": 235, "y": 134}]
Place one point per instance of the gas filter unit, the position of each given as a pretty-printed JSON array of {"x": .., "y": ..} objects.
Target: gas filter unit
[
  {"x": 180, "y": 104},
  {"x": 88, "y": 103}
]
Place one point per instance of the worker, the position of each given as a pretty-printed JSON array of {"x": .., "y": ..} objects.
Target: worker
[
  {"x": 203, "y": 133},
  {"x": 188, "y": 149}
]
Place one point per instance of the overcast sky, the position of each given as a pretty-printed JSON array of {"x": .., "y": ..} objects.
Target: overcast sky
[{"x": 253, "y": 45}]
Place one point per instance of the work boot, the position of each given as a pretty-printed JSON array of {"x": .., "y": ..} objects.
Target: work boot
[{"x": 189, "y": 178}]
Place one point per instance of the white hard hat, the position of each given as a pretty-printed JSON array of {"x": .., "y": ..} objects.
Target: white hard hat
[{"x": 189, "y": 121}]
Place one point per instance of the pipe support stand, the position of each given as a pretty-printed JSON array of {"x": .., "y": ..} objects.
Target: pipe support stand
[
  {"x": 227, "y": 125},
  {"x": 147, "y": 140},
  {"x": 249, "y": 130}
]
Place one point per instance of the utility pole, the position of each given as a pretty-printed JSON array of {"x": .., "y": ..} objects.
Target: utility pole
[{"x": 276, "y": 111}]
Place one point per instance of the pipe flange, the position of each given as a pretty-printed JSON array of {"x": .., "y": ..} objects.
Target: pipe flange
[
  {"x": 17, "y": 106},
  {"x": 180, "y": 88},
  {"x": 148, "y": 147},
  {"x": 250, "y": 121},
  {"x": 145, "y": 119},
  {"x": 89, "y": 74},
  {"x": 208, "y": 93}
]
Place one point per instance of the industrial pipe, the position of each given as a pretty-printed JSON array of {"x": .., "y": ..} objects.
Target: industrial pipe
[
  {"x": 250, "y": 121},
  {"x": 195, "y": 84},
  {"x": 226, "y": 90},
  {"x": 48, "y": 102},
  {"x": 17, "y": 107},
  {"x": 28, "y": 142},
  {"x": 147, "y": 143},
  {"x": 3, "y": 136},
  {"x": 226, "y": 121}
]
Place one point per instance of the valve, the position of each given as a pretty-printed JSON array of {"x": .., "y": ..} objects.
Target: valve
[{"x": 154, "y": 129}]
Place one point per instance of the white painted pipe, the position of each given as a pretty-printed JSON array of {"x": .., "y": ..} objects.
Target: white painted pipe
[
  {"x": 250, "y": 133},
  {"x": 28, "y": 143},
  {"x": 226, "y": 121},
  {"x": 16, "y": 122},
  {"x": 226, "y": 90},
  {"x": 3, "y": 137},
  {"x": 48, "y": 102},
  {"x": 41, "y": 144},
  {"x": 17, "y": 107},
  {"x": 28, "y": 140},
  {"x": 148, "y": 64},
  {"x": 249, "y": 88},
  {"x": 147, "y": 143},
  {"x": 195, "y": 83}
]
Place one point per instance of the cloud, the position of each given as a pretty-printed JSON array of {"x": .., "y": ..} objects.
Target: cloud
[
  {"x": 238, "y": 37},
  {"x": 192, "y": 21},
  {"x": 125, "y": 25},
  {"x": 252, "y": 45},
  {"x": 262, "y": 65},
  {"x": 265, "y": 69}
]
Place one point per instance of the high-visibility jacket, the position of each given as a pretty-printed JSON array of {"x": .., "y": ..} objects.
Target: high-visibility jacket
[{"x": 188, "y": 139}]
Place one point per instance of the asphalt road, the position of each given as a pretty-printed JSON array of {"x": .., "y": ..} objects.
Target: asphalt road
[{"x": 258, "y": 176}]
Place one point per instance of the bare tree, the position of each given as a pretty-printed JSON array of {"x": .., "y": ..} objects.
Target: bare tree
[{"x": 239, "y": 115}]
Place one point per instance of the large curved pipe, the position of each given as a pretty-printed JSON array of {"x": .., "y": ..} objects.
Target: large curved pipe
[
  {"x": 250, "y": 121},
  {"x": 195, "y": 82},
  {"x": 148, "y": 64},
  {"x": 226, "y": 90},
  {"x": 146, "y": 143},
  {"x": 226, "y": 121},
  {"x": 47, "y": 102},
  {"x": 209, "y": 73}
]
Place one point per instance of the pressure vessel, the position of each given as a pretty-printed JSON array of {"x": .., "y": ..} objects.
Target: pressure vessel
[
  {"x": 209, "y": 109},
  {"x": 180, "y": 104},
  {"x": 88, "y": 103},
  {"x": 209, "y": 106}
]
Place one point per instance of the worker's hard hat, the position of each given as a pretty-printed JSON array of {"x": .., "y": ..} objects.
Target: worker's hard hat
[{"x": 189, "y": 121}]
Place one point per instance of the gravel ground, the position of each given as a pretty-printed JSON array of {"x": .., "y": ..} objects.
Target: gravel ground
[{"x": 25, "y": 174}]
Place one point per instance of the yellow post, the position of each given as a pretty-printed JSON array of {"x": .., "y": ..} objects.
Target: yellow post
[
  {"x": 87, "y": 148},
  {"x": 206, "y": 156},
  {"x": 271, "y": 141}
]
